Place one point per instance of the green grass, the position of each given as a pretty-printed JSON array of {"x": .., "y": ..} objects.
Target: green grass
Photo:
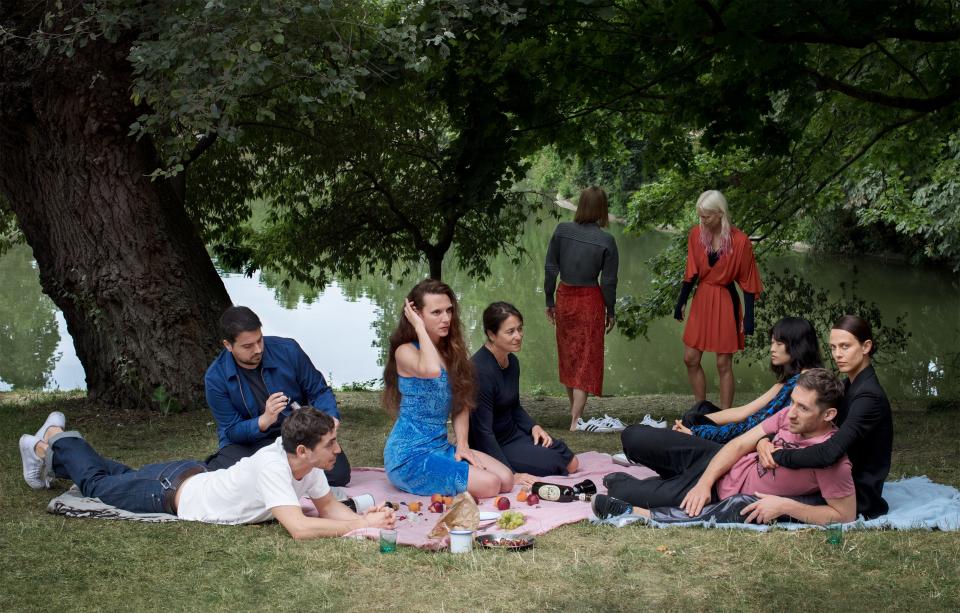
[{"x": 53, "y": 563}]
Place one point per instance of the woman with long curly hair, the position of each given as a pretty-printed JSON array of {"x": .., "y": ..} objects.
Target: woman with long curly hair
[{"x": 429, "y": 377}]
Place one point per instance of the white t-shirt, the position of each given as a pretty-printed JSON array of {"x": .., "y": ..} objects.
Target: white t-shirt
[{"x": 245, "y": 492}]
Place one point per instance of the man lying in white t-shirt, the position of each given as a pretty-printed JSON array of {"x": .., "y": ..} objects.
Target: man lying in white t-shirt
[{"x": 268, "y": 484}]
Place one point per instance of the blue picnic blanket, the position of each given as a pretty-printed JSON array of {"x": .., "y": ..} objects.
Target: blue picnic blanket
[{"x": 916, "y": 503}]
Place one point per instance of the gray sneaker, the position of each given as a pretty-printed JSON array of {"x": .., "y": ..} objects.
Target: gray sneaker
[{"x": 32, "y": 463}]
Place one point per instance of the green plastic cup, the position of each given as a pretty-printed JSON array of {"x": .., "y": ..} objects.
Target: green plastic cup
[
  {"x": 835, "y": 534},
  {"x": 388, "y": 541}
]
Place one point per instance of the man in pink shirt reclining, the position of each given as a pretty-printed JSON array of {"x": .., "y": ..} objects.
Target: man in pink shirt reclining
[{"x": 728, "y": 484}]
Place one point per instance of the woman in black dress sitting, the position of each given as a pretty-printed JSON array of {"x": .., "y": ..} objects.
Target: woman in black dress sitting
[{"x": 499, "y": 426}]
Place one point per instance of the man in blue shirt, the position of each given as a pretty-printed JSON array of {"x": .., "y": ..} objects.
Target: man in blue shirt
[{"x": 255, "y": 383}]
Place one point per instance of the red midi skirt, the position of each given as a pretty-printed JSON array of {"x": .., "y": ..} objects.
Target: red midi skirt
[{"x": 581, "y": 316}]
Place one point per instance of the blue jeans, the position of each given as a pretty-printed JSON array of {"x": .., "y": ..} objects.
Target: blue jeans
[{"x": 139, "y": 491}]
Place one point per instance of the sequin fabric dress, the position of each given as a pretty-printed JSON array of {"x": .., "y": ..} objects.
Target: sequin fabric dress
[{"x": 417, "y": 455}]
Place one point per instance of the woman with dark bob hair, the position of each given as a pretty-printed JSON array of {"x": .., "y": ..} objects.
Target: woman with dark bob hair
[
  {"x": 793, "y": 349},
  {"x": 428, "y": 378},
  {"x": 864, "y": 420},
  {"x": 499, "y": 426},
  {"x": 582, "y": 308}
]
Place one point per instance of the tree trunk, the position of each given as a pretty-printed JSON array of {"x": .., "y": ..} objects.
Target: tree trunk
[
  {"x": 116, "y": 251},
  {"x": 436, "y": 264}
]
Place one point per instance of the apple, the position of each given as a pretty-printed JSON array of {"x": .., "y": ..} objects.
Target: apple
[
  {"x": 437, "y": 498},
  {"x": 533, "y": 499},
  {"x": 503, "y": 503}
]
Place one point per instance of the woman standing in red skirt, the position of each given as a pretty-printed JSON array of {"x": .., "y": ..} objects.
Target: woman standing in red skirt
[
  {"x": 580, "y": 252},
  {"x": 719, "y": 257}
]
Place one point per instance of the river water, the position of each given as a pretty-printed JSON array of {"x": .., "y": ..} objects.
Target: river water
[{"x": 342, "y": 327}]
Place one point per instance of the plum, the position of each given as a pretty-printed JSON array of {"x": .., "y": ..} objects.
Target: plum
[
  {"x": 533, "y": 499},
  {"x": 503, "y": 503}
]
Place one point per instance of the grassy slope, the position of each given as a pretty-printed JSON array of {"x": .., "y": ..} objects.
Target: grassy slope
[{"x": 54, "y": 563}]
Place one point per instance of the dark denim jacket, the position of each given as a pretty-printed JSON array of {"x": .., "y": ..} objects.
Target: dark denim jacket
[{"x": 286, "y": 368}]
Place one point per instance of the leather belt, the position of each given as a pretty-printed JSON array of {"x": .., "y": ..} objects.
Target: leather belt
[{"x": 170, "y": 493}]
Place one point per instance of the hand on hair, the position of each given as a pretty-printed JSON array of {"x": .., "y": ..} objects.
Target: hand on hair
[{"x": 410, "y": 312}]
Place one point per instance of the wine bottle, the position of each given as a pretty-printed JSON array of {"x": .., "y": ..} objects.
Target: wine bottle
[{"x": 564, "y": 493}]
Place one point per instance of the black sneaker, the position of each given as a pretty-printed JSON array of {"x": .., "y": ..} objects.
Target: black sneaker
[{"x": 607, "y": 506}]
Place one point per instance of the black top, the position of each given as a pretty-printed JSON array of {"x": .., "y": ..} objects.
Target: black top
[
  {"x": 258, "y": 387},
  {"x": 254, "y": 378},
  {"x": 498, "y": 414},
  {"x": 579, "y": 252},
  {"x": 865, "y": 435}
]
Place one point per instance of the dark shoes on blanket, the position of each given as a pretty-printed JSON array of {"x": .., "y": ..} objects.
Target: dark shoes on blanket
[{"x": 607, "y": 506}]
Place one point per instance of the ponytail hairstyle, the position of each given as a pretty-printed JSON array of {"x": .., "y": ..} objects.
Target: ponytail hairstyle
[
  {"x": 453, "y": 349},
  {"x": 860, "y": 328}
]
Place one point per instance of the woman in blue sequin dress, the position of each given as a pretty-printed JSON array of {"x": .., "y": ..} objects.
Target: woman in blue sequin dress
[{"x": 428, "y": 378}]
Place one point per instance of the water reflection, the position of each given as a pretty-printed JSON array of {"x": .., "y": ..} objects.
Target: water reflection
[
  {"x": 29, "y": 333},
  {"x": 342, "y": 328}
]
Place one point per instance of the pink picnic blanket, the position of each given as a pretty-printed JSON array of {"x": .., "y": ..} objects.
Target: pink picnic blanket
[{"x": 413, "y": 528}]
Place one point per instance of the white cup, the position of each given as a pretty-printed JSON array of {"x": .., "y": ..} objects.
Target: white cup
[
  {"x": 363, "y": 502},
  {"x": 461, "y": 541}
]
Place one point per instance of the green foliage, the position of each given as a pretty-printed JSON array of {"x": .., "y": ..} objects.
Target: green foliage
[
  {"x": 9, "y": 232},
  {"x": 362, "y": 386},
  {"x": 787, "y": 294},
  {"x": 553, "y": 174},
  {"x": 167, "y": 403}
]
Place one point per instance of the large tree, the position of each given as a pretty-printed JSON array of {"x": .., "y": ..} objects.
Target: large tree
[
  {"x": 103, "y": 107},
  {"x": 115, "y": 250}
]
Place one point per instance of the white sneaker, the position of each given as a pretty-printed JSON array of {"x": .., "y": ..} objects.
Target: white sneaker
[
  {"x": 54, "y": 419},
  {"x": 653, "y": 423},
  {"x": 32, "y": 463},
  {"x": 622, "y": 460},
  {"x": 594, "y": 425},
  {"x": 613, "y": 423}
]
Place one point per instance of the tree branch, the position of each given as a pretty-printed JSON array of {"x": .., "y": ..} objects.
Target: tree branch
[
  {"x": 923, "y": 105},
  {"x": 206, "y": 141}
]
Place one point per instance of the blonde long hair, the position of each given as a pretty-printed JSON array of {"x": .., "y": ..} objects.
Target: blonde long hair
[
  {"x": 453, "y": 349},
  {"x": 713, "y": 201}
]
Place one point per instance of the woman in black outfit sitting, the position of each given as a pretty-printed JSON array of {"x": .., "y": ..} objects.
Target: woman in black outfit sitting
[
  {"x": 865, "y": 423},
  {"x": 499, "y": 426}
]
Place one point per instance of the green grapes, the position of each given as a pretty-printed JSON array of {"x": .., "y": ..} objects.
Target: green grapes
[{"x": 510, "y": 520}]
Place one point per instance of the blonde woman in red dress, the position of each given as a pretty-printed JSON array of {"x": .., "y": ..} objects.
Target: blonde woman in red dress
[{"x": 719, "y": 257}]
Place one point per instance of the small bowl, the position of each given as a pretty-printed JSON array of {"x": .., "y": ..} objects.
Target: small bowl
[{"x": 505, "y": 540}]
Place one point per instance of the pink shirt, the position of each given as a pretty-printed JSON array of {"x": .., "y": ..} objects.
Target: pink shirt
[{"x": 748, "y": 477}]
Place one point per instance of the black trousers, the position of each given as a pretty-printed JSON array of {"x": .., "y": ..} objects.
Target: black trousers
[
  {"x": 225, "y": 457},
  {"x": 678, "y": 459},
  {"x": 526, "y": 457}
]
